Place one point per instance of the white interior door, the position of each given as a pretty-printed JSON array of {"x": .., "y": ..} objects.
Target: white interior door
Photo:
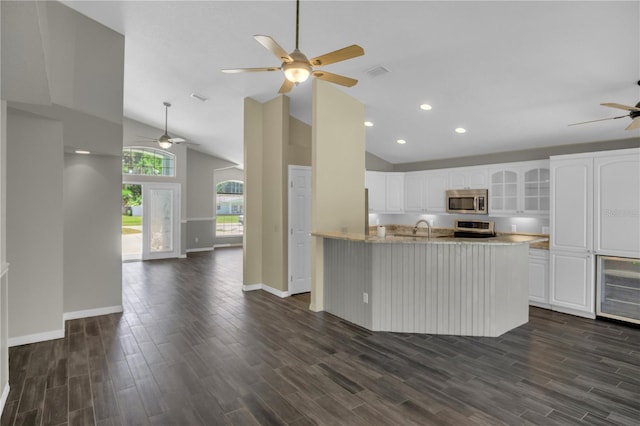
[
  {"x": 299, "y": 229},
  {"x": 160, "y": 221}
]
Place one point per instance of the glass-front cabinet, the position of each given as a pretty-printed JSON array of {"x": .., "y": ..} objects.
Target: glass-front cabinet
[
  {"x": 521, "y": 188},
  {"x": 536, "y": 190},
  {"x": 503, "y": 192}
]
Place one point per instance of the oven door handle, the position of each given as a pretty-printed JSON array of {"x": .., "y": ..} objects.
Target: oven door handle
[{"x": 475, "y": 204}]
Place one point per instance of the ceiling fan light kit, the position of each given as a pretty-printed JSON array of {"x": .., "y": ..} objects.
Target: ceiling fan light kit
[
  {"x": 295, "y": 65},
  {"x": 299, "y": 70}
]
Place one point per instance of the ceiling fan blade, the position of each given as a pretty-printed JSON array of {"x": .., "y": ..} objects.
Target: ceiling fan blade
[
  {"x": 286, "y": 86},
  {"x": 620, "y": 106},
  {"x": 239, "y": 70},
  {"x": 601, "y": 119},
  {"x": 186, "y": 143},
  {"x": 273, "y": 47},
  {"x": 335, "y": 78},
  {"x": 177, "y": 140},
  {"x": 343, "y": 54},
  {"x": 146, "y": 137},
  {"x": 635, "y": 124}
]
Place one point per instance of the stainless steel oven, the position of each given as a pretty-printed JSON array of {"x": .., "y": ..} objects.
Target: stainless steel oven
[{"x": 473, "y": 201}]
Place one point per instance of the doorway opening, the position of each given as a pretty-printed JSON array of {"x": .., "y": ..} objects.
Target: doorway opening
[
  {"x": 131, "y": 221},
  {"x": 150, "y": 229}
]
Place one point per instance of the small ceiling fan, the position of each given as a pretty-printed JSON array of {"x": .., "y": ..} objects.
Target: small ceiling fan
[
  {"x": 297, "y": 67},
  {"x": 165, "y": 141}
]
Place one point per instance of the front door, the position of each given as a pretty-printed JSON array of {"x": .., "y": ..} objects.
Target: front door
[{"x": 160, "y": 221}]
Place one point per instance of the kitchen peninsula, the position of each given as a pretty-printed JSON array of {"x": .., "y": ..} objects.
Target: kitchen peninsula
[{"x": 440, "y": 285}]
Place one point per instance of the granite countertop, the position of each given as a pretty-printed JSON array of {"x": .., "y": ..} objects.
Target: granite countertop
[{"x": 398, "y": 234}]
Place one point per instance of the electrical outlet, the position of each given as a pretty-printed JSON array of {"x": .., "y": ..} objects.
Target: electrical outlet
[
  {"x": 365, "y": 297},
  {"x": 197, "y": 239},
  {"x": 545, "y": 229},
  {"x": 513, "y": 228}
]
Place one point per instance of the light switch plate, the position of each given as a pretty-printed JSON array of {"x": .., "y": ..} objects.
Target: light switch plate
[{"x": 513, "y": 228}]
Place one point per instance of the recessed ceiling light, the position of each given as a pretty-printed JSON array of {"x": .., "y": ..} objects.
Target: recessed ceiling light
[
  {"x": 368, "y": 124},
  {"x": 401, "y": 141},
  {"x": 199, "y": 97},
  {"x": 80, "y": 151},
  {"x": 425, "y": 107},
  {"x": 460, "y": 130}
]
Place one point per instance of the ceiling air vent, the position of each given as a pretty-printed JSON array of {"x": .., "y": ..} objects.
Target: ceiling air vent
[{"x": 376, "y": 71}]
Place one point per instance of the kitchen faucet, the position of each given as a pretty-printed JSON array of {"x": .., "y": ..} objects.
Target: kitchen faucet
[{"x": 415, "y": 228}]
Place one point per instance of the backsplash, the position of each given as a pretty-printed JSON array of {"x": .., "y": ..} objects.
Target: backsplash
[{"x": 531, "y": 225}]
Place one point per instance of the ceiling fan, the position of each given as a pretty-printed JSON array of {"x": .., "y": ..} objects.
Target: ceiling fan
[
  {"x": 634, "y": 114},
  {"x": 297, "y": 67},
  {"x": 165, "y": 141}
]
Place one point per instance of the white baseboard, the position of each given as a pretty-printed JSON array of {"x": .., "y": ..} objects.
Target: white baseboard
[
  {"x": 3, "y": 398},
  {"x": 252, "y": 287},
  {"x": 195, "y": 250},
  {"x": 36, "y": 337},
  {"x": 274, "y": 291},
  {"x": 92, "y": 312},
  {"x": 228, "y": 245},
  {"x": 182, "y": 256}
]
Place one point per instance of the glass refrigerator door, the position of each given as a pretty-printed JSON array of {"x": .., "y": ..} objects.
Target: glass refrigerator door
[{"x": 619, "y": 288}]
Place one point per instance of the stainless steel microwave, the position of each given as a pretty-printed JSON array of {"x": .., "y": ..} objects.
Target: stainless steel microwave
[{"x": 470, "y": 201}]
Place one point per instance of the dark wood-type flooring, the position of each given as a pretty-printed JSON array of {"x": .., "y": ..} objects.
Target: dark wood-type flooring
[{"x": 192, "y": 349}]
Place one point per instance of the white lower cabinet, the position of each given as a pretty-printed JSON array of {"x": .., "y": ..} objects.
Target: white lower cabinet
[
  {"x": 539, "y": 278},
  {"x": 572, "y": 283}
]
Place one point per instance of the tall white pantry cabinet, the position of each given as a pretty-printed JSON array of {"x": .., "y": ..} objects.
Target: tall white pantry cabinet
[{"x": 578, "y": 208}]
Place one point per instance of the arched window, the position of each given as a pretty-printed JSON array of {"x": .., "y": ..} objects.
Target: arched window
[
  {"x": 229, "y": 208},
  {"x": 145, "y": 161}
]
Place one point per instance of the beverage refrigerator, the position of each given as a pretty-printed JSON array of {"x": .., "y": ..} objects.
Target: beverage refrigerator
[{"x": 618, "y": 288}]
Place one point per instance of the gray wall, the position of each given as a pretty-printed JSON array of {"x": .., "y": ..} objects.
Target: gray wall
[
  {"x": 92, "y": 254},
  {"x": 201, "y": 199},
  {"x": 62, "y": 96},
  {"x": 375, "y": 163},
  {"x": 513, "y": 156},
  {"x": 34, "y": 225}
]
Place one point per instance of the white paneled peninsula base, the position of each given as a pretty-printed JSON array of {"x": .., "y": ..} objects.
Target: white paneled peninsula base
[{"x": 475, "y": 287}]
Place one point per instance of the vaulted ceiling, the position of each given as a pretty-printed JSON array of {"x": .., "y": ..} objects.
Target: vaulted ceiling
[{"x": 514, "y": 74}]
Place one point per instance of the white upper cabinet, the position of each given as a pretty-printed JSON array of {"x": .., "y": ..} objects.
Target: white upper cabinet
[
  {"x": 468, "y": 178},
  {"x": 376, "y": 183},
  {"x": 503, "y": 190},
  {"x": 519, "y": 189},
  {"x": 436, "y": 185},
  {"x": 617, "y": 204},
  {"x": 395, "y": 192},
  {"x": 386, "y": 192},
  {"x": 414, "y": 191},
  {"x": 572, "y": 204},
  {"x": 424, "y": 192},
  {"x": 536, "y": 189}
]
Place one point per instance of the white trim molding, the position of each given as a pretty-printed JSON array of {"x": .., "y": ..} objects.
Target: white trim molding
[
  {"x": 5, "y": 395},
  {"x": 92, "y": 312},
  {"x": 36, "y": 337},
  {"x": 195, "y": 219},
  {"x": 274, "y": 291},
  {"x": 194, "y": 250},
  {"x": 252, "y": 287}
]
